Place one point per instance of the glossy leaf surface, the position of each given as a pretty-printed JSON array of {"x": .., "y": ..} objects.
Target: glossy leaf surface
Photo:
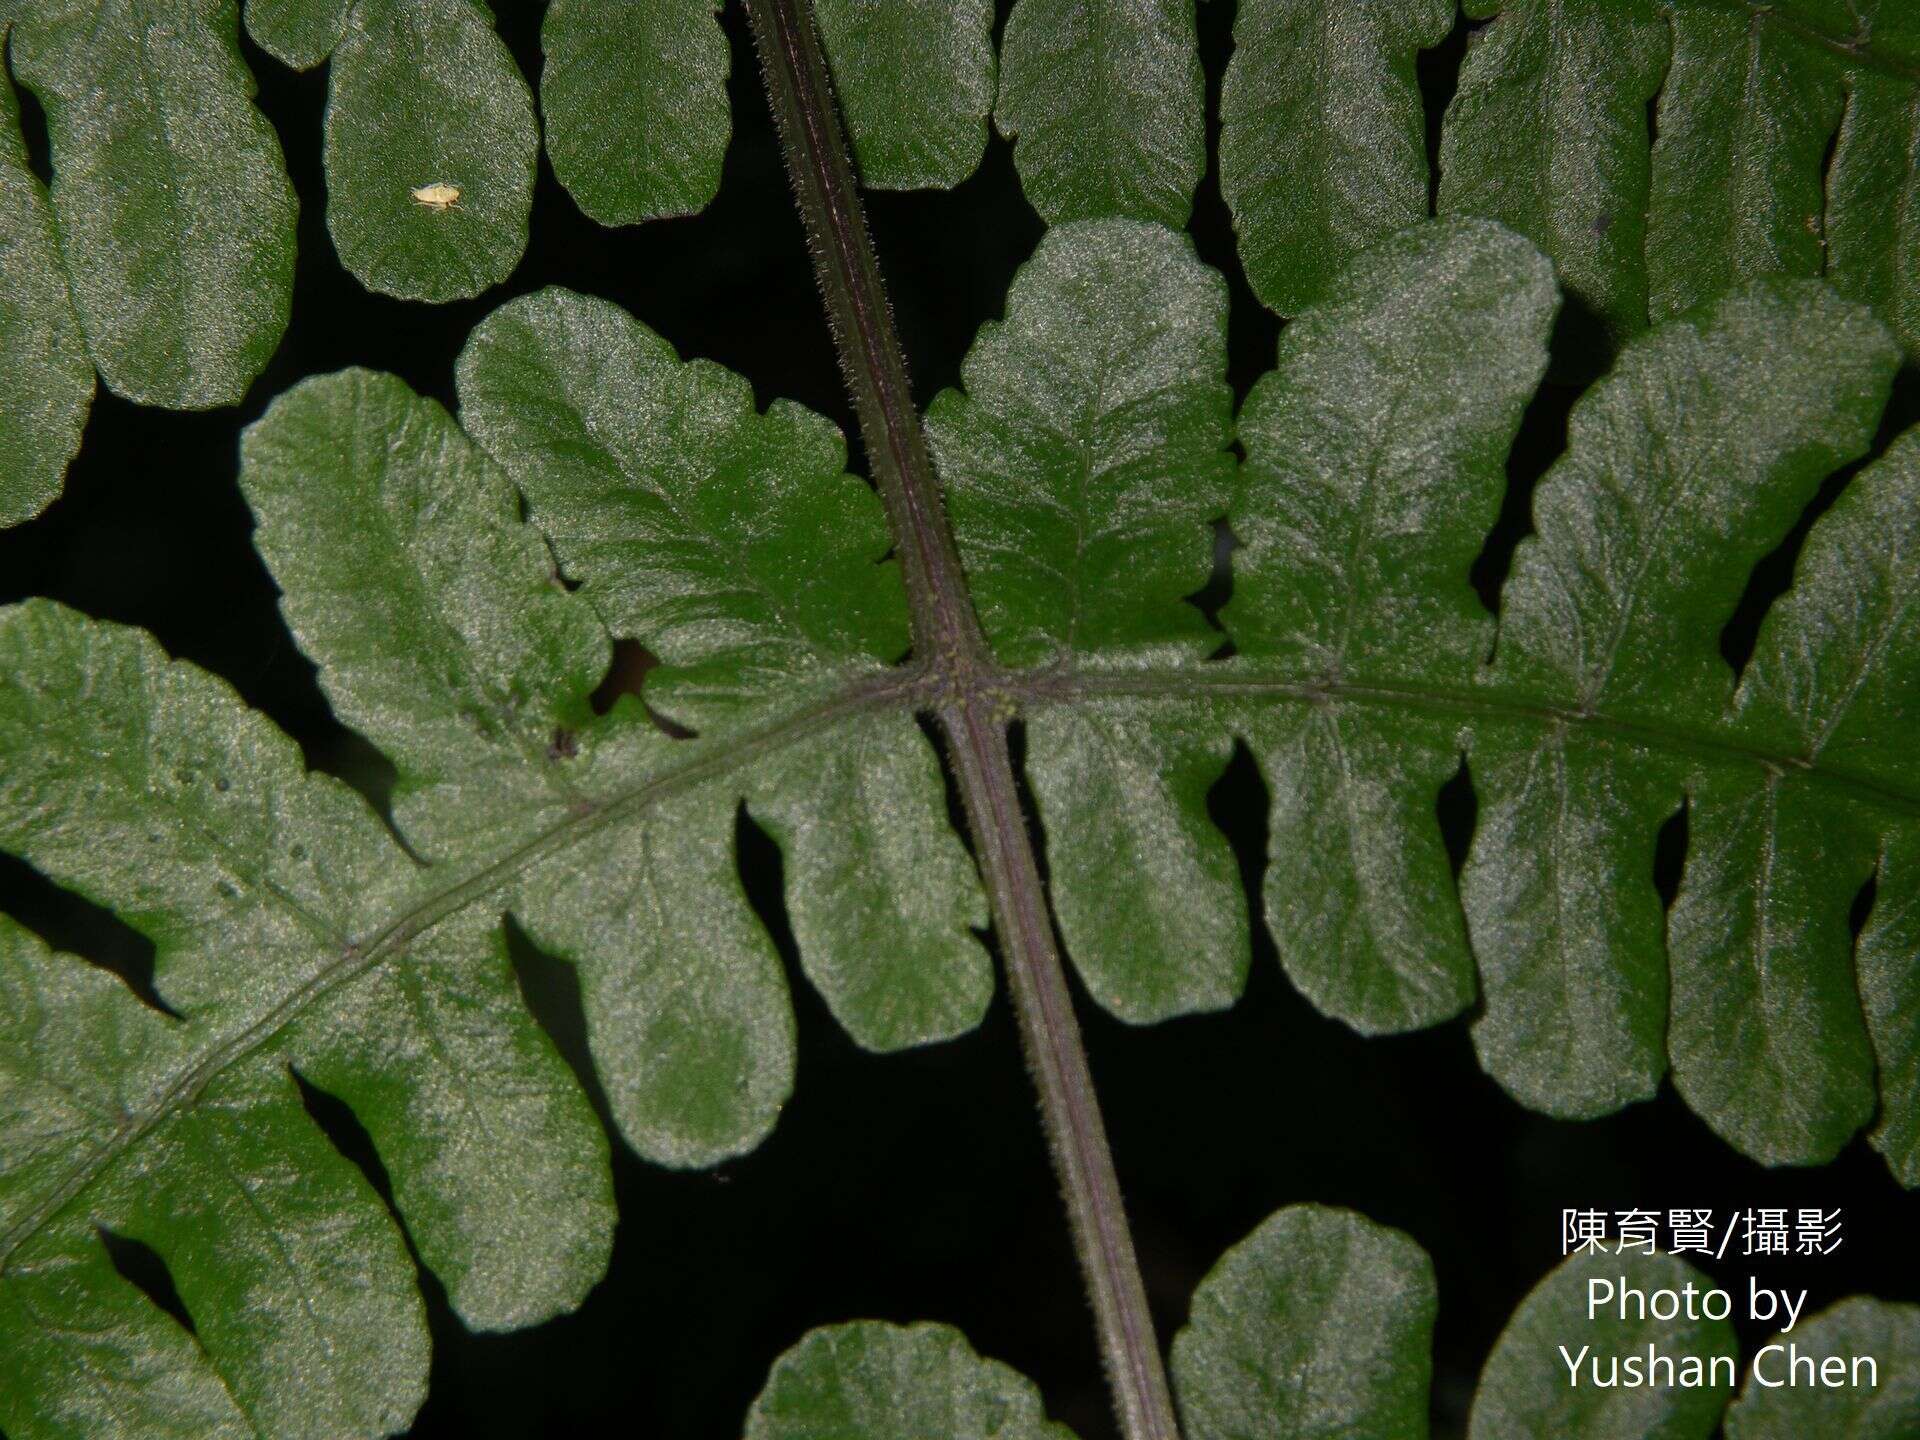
[
  {"x": 46, "y": 379},
  {"x": 1319, "y": 1324},
  {"x": 635, "y": 103},
  {"x": 1104, "y": 100},
  {"x": 872, "y": 1381},
  {"x": 1547, "y": 134},
  {"x": 1876, "y": 1405},
  {"x": 460, "y": 586},
  {"x": 1338, "y": 81},
  {"x": 170, "y": 198},
  {"x": 1541, "y": 1377},
  {"x": 422, "y": 93},
  {"x": 1659, "y": 151},
  {"x": 915, "y": 80},
  {"x": 1365, "y": 668}
]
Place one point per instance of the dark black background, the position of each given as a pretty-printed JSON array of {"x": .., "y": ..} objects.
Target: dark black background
[{"x": 911, "y": 1186}]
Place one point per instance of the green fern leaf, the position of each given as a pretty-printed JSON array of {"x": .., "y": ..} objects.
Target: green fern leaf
[
  {"x": 172, "y": 206},
  {"x": 873, "y": 1381},
  {"x": 293, "y": 931},
  {"x": 732, "y": 543},
  {"x": 1719, "y": 194},
  {"x": 422, "y": 96},
  {"x": 1890, "y": 994},
  {"x": 1086, "y": 459},
  {"x": 46, "y": 379},
  {"x": 1684, "y": 467},
  {"x": 1526, "y": 1387},
  {"x": 298, "y": 33},
  {"x": 1341, "y": 79},
  {"x": 915, "y": 79},
  {"x": 1873, "y": 210},
  {"x": 1081, "y": 464},
  {"x": 1374, "y": 469},
  {"x": 1658, "y": 150},
  {"x": 1881, "y": 1410},
  {"x": 422, "y": 93},
  {"x": 1744, "y": 122},
  {"x": 1105, "y": 104},
  {"x": 162, "y": 796},
  {"x": 1547, "y": 135},
  {"x": 1320, "y": 1323},
  {"x": 635, "y": 103}
]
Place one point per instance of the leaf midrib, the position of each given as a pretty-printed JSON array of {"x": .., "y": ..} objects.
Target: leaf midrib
[
  {"x": 1055, "y": 685},
  {"x": 1043, "y": 686},
  {"x": 899, "y": 687}
]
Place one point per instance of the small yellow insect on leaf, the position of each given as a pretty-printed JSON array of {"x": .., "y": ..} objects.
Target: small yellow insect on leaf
[{"x": 437, "y": 196}]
